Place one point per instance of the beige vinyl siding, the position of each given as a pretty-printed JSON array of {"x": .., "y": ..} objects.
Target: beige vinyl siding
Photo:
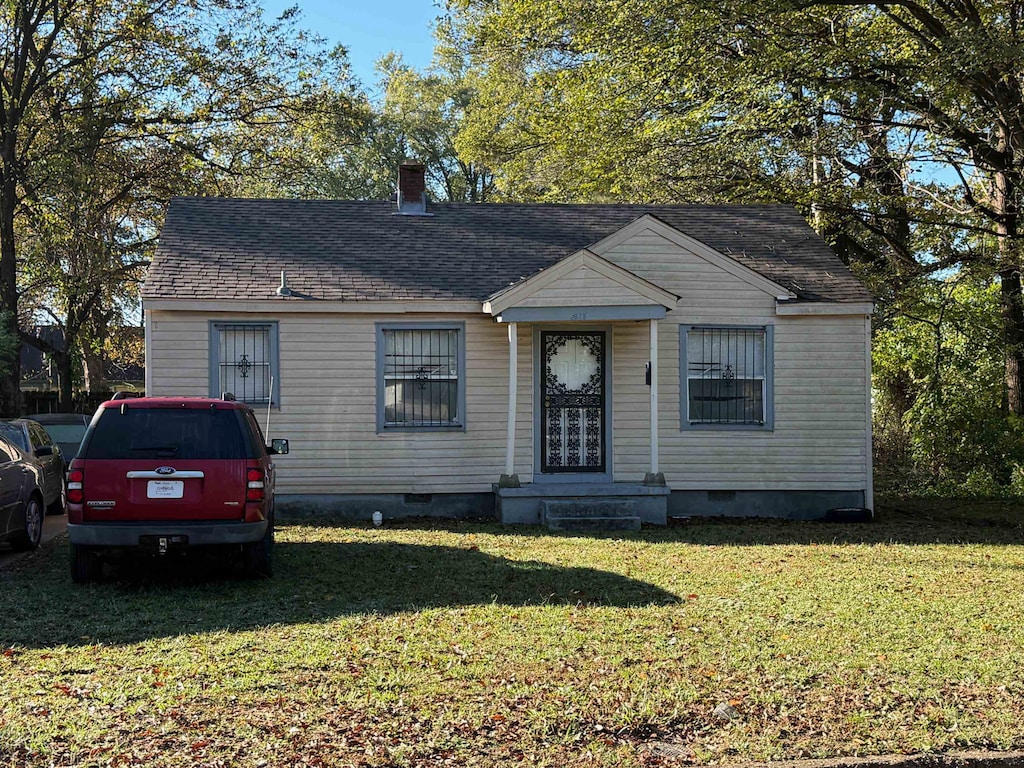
[
  {"x": 819, "y": 438},
  {"x": 328, "y": 391},
  {"x": 328, "y": 403},
  {"x": 584, "y": 287}
]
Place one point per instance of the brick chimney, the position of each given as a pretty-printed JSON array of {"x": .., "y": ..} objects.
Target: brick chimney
[{"x": 412, "y": 188}]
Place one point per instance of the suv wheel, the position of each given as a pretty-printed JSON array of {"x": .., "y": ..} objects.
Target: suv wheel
[
  {"x": 257, "y": 556},
  {"x": 32, "y": 533},
  {"x": 85, "y": 566}
]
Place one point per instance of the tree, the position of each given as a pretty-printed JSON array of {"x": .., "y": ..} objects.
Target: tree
[
  {"x": 420, "y": 117},
  {"x": 133, "y": 103},
  {"x": 896, "y": 127}
]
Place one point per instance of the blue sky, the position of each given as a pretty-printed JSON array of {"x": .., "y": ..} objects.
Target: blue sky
[{"x": 370, "y": 28}]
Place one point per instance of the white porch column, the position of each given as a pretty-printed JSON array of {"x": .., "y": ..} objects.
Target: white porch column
[
  {"x": 513, "y": 389},
  {"x": 654, "y": 397}
]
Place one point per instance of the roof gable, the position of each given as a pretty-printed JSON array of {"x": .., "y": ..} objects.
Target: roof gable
[
  {"x": 651, "y": 224},
  {"x": 585, "y": 274}
]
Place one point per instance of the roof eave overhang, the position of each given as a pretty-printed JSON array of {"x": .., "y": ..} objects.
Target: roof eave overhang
[
  {"x": 788, "y": 308},
  {"x": 293, "y": 305}
]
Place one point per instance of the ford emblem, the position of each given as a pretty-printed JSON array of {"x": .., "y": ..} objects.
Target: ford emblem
[{"x": 165, "y": 470}]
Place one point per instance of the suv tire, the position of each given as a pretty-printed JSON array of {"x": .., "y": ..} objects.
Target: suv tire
[
  {"x": 85, "y": 566},
  {"x": 257, "y": 557}
]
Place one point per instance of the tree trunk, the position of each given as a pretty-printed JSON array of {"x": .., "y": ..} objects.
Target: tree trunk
[
  {"x": 10, "y": 366},
  {"x": 92, "y": 364},
  {"x": 91, "y": 338},
  {"x": 65, "y": 381},
  {"x": 1009, "y": 283},
  {"x": 1013, "y": 337}
]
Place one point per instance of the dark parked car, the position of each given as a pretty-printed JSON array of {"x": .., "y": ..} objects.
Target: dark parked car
[
  {"x": 40, "y": 448},
  {"x": 21, "y": 500},
  {"x": 165, "y": 474},
  {"x": 65, "y": 429}
]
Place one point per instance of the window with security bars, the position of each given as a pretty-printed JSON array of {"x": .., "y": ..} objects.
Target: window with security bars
[
  {"x": 244, "y": 361},
  {"x": 726, "y": 381},
  {"x": 421, "y": 371}
]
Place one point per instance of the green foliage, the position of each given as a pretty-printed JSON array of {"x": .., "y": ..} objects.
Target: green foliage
[
  {"x": 419, "y": 117},
  {"x": 940, "y": 425}
]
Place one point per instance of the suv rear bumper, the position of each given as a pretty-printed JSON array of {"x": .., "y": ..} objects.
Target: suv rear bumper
[{"x": 196, "y": 534}]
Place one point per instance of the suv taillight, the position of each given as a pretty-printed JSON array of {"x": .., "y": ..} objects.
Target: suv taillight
[
  {"x": 255, "y": 488},
  {"x": 76, "y": 478}
]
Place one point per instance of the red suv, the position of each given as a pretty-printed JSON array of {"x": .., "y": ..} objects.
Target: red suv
[{"x": 165, "y": 474}]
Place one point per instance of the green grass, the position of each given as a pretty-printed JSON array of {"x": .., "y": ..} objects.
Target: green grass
[{"x": 425, "y": 642}]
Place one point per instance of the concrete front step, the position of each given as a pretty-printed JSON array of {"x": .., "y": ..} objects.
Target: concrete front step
[
  {"x": 587, "y": 508},
  {"x": 618, "y": 523},
  {"x": 523, "y": 505},
  {"x": 590, "y": 514}
]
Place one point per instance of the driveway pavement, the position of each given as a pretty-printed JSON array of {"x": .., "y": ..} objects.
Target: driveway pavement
[{"x": 53, "y": 526}]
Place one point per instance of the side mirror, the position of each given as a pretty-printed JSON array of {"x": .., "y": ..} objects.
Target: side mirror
[
  {"x": 44, "y": 450},
  {"x": 279, "y": 445}
]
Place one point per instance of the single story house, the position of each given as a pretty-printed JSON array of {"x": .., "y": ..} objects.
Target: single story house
[{"x": 459, "y": 359}]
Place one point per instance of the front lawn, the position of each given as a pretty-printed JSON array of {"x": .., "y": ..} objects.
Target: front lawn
[{"x": 417, "y": 644}]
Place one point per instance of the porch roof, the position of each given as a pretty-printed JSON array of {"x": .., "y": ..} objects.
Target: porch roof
[{"x": 582, "y": 286}]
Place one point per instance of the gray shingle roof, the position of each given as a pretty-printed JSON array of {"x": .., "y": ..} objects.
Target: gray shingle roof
[{"x": 221, "y": 248}]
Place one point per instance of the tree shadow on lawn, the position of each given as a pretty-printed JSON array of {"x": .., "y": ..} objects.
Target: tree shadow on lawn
[{"x": 146, "y": 598}]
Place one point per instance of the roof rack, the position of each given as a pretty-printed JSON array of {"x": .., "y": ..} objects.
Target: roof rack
[{"x": 124, "y": 395}]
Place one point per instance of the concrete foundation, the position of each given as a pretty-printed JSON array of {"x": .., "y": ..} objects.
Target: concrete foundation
[
  {"x": 791, "y": 505},
  {"x": 653, "y": 504},
  {"x": 390, "y": 505}
]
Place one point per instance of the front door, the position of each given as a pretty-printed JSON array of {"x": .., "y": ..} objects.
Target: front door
[{"x": 572, "y": 394}]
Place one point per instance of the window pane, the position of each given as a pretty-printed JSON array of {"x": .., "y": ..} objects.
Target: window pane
[
  {"x": 726, "y": 375},
  {"x": 714, "y": 350},
  {"x": 245, "y": 362},
  {"x": 737, "y": 402},
  {"x": 421, "y": 377}
]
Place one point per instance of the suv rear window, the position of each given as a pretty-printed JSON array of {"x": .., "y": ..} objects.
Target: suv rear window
[{"x": 167, "y": 433}]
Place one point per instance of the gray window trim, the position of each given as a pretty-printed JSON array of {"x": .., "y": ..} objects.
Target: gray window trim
[
  {"x": 275, "y": 360},
  {"x": 769, "y": 381},
  {"x": 460, "y": 361}
]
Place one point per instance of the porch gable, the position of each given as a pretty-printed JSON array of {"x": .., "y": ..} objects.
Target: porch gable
[{"x": 582, "y": 280}]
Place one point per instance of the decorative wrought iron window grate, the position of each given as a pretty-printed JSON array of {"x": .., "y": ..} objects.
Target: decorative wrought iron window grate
[
  {"x": 421, "y": 377},
  {"x": 725, "y": 375},
  {"x": 244, "y": 361}
]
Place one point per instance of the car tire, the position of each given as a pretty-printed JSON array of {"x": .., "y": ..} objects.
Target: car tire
[
  {"x": 85, "y": 566},
  {"x": 32, "y": 533},
  {"x": 59, "y": 505},
  {"x": 259, "y": 555}
]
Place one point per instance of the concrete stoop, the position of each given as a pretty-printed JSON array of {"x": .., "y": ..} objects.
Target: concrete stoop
[
  {"x": 578, "y": 506},
  {"x": 590, "y": 515}
]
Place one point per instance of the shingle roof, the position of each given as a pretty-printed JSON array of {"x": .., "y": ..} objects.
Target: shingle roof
[{"x": 222, "y": 248}]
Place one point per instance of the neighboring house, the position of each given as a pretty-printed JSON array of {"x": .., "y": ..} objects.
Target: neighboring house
[
  {"x": 38, "y": 373},
  {"x": 465, "y": 359}
]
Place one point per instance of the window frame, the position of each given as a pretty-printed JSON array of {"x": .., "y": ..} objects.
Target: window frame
[
  {"x": 460, "y": 352},
  {"x": 213, "y": 337},
  {"x": 768, "y": 393}
]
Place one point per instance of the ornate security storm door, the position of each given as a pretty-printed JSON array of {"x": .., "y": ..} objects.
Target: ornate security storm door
[{"x": 573, "y": 401}]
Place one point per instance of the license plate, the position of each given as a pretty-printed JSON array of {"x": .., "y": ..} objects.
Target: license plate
[{"x": 165, "y": 489}]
